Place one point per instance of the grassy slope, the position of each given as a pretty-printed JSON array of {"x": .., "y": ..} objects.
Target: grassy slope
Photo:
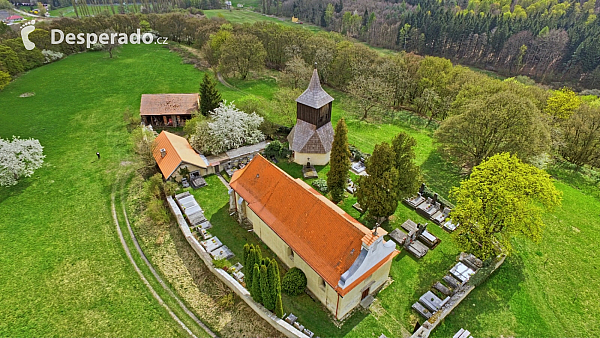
[
  {"x": 246, "y": 16},
  {"x": 62, "y": 269}
]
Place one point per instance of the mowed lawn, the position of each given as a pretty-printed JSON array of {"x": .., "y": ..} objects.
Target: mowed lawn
[{"x": 63, "y": 271}]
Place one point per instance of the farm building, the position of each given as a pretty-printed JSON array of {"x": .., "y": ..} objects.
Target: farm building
[
  {"x": 174, "y": 155},
  {"x": 14, "y": 18},
  {"x": 168, "y": 110},
  {"x": 344, "y": 262},
  {"x": 312, "y": 136}
]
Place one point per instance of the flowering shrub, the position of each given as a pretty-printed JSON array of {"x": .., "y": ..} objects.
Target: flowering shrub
[
  {"x": 51, "y": 56},
  {"x": 19, "y": 158},
  {"x": 229, "y": 128}
]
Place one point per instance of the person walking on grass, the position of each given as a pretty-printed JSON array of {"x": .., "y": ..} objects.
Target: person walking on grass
[{"x": 98, "y": 154}]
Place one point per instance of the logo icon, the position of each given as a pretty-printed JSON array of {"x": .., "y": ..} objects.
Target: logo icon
[{"x": 26, "y": 29}]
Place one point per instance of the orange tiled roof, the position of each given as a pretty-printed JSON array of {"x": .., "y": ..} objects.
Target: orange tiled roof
[
  {"x": 169, "y": 104},
  {"x": 178, "y": 150},
  {"x": 322, "y": 234}
]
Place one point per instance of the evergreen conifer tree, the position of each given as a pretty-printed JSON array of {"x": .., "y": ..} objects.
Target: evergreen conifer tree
[
  {"x": 255, "y": 290},
  {"x": 209, "y": 95},
  {"x": 246, "y": 253},
  {"x": 377, "y": 193},
  {"x": 267, "y": 298},
  {"x": 250, "y": 261},
  {"x": 274, "y": 280},
  {"x": 279, "y": 306},
  {"x": 409, "y": 177},
  {"x": 339, "y": 162}
]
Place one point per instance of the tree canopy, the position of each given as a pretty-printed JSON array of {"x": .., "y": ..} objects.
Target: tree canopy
[
  {"x": 502, "y": 122},
  {"x": 377, "y": 193},
  {"x": 502, "y": 198},
  {"x": 19, "y": 158}
]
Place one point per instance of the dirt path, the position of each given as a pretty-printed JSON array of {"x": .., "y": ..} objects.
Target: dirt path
[
  {"x": 139, "y": 272},
  {"x": 158, "y": 278}
]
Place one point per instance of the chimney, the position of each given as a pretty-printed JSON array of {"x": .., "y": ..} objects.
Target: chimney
[{"x": 163, "y": 152}]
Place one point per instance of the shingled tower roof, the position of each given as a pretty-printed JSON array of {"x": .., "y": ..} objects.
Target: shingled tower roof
[{"x": 314, "y": 96}]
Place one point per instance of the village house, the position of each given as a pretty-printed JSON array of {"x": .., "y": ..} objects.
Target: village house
[
  {"x": 168, "y": 110},
  {"x": 174, "y": 155},
  {"x": 312, "y": 137},
  {"x": 345, "y": 263}
]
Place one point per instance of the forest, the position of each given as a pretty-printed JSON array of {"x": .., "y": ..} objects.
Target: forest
[{"x": 554, "y": 42}]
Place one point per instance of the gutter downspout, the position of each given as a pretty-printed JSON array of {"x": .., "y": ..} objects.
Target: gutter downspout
[{"x": 337, "y": 305}]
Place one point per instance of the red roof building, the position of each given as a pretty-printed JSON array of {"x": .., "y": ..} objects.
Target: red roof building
[{"x": 344, "y": 262}]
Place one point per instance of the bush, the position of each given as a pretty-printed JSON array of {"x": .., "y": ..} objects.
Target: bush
[
  {"x": 4, "y": 79},
  {"x": 294, "y": 282},
  {"x": 356, "y": 154},
  {"x": 51, "y": 56},
  {"x": 321, "y": 185},
  {"x": 221, "y": 263},
  {"x": 274, "y": 149}
]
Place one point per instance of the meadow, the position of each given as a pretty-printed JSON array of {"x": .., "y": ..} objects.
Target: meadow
[
  {"x": 63, "y": 272},
  {"x": 62, "y": 268}
]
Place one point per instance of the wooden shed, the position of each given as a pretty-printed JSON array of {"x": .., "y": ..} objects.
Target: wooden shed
[{"x": 168, "y": 110}]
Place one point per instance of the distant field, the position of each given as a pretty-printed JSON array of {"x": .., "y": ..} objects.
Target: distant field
[{"x": 246, "y": 16}]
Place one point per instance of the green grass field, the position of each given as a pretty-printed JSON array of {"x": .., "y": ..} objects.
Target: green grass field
[
  {"x": 63, "y": 272},
  {"x": 62, "y": 269},
  {"x": 246, "y": 16}
]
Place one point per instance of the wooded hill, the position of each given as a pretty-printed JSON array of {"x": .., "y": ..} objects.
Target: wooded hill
[{"x": 552, "y": 41}]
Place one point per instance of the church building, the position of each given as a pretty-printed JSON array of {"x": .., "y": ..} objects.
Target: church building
[
  {"x": 345, "y": 263},
  {"x": 312, "y": 136}
]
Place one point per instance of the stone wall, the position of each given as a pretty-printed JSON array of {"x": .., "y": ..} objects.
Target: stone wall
[{"x": 278, "y": 323}]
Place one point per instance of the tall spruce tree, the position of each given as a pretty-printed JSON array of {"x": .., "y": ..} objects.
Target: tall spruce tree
[
  {"x": 255, "y": 289},
  {"x": 209, "y": 95},
  {"x": 339, "y": 162},
  {"x": 377, "y": 193},
  {"x": 409, "y": 174}
]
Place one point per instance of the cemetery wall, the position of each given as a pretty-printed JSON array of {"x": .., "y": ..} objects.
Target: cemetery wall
[{"x": 278, "y": 323}]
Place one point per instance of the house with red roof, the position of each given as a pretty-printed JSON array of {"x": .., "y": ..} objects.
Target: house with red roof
[
  {"x": 345, "y": 263},
  {"x": 173, "y": 153},
  {"x": 14, "y": 18}
]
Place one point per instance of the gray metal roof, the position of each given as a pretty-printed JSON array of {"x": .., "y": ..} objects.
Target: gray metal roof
[{"x": 314, "y": 96}]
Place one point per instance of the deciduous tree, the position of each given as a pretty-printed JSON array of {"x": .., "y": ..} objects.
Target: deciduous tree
[
  {"x": 581, "y": 136},
  {"x": 19, "y": 158},
  {"x": 339, "y": 162},
  {"x": 242, "y": 53},
  {"x": 370, "y": 92},
  {"x": 504, "y": 122},
  {"x": 229, "y": 128},
  {"x": 562, "y": 103},
  {"x": 502, "y": 198}
]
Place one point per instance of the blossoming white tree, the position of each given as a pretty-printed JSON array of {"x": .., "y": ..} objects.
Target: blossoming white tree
[
  {"x": 19, "y": 158},
  {"x": 230, "y": 128}
]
